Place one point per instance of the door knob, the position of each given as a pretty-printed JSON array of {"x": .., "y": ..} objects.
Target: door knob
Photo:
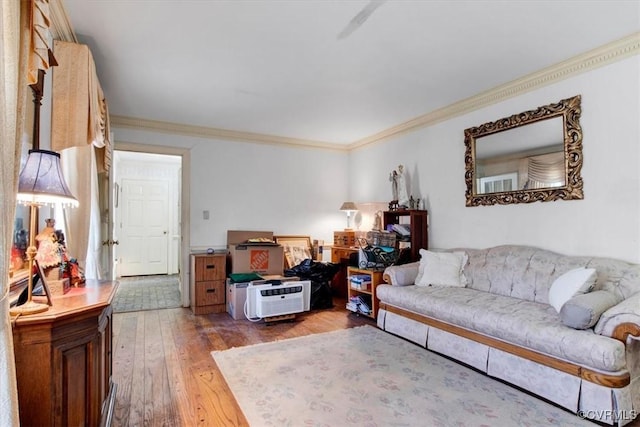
[{"x": 110, "y": 242}]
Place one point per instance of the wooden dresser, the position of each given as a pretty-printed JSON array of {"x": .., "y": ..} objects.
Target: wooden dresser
[
  {"x": 63, "y": 359},
  {"x": 207, "y": 283}
]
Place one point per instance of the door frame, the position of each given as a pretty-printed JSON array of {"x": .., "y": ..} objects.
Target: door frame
[{"x": 185, "y": 202}]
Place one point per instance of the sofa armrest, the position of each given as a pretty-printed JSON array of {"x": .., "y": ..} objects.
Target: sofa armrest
[
  {"x": 401, "y": 275},
  {"x": 621, "y": 320}
]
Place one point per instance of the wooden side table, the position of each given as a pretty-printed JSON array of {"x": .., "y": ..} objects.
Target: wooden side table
[{"x": 368, "y": 292}]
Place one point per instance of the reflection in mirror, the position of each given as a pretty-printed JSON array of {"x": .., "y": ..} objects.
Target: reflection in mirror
[
  {"x": 532, "y": 156},
  {"x": 21, "y": 221},
  {"x": 20, "y": 238},
  {"x": 522, "y": 158}
]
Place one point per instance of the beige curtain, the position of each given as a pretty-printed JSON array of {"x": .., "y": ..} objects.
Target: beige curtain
[
  {"x": 80, "y": 132},
  {"x": 79, "y": 109},
  {"x": 546, "y": 170},
  {"x": 82, "y": 224},
  {"x": 14, "y": 26}
]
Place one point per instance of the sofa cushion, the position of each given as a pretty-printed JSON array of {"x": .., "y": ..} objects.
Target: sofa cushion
[
  {"x": 441, "y": 269},
  {"x": 577, "y": 281},
  {"x": 527, "y": 273},
  {"x": 583, "y": 310},
  {"x": 532, "y": 325}
]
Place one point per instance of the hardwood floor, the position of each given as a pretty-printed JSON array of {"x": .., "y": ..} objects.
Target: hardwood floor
[{"x": 164, "y": 370}]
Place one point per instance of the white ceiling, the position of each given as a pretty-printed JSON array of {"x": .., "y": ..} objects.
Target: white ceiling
[{"x": 280, "y": 68}]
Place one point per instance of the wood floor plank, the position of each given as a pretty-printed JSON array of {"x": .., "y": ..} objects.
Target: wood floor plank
[
  {"x": 156, "y": 385},
  {"x": 175, "y": 396},
  {"x": 137, "y": 403},
  {"x": 163, "y": 367},
  {"x": 124, "y": 339}
]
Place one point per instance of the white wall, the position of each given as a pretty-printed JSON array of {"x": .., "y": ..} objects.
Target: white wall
[
  {"x": 249, "y": 186},
  {"x": 605, "y": 223}
]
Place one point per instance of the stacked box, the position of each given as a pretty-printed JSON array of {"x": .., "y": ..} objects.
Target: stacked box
[
  {"x": 381, "y": 238},
  {"x": 344, "y": 238},
  {"x": 256, "y": 257}
]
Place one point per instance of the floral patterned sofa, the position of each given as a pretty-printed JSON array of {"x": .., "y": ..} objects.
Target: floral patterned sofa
[{"x": 499, "y": 320}]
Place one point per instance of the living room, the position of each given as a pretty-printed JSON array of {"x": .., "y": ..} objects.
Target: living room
[{"x": 249, "y": 180}]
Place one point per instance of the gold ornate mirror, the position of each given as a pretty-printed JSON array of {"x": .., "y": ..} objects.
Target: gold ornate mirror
[{"x": 528, "y": 157}]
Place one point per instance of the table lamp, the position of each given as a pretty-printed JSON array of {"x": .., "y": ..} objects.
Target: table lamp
[
  {"x": 40, "y": 183},
  {"x": 348, "y": 207}
]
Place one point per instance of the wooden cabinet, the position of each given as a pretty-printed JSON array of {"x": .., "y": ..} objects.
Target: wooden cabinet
[
  {"x": 341, "y": 255},
  {"x": 418, "y": 226},
  {"x": 63, "y": 360},
  {"x": 368, "y": 293},
  {"x": 207, "y": 283}
]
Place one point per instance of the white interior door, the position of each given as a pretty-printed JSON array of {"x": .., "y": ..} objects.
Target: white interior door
[{"x": 144, "y": 227}]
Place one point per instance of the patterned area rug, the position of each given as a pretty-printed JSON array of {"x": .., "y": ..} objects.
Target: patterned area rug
[
  {"x": 147, "y": 293},
  {"x": 366, "y": 377}
]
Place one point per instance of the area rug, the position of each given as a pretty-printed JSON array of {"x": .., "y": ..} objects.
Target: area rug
[
  {"x": 147, "y": 293},
  {"x": 366, "y": 377}
]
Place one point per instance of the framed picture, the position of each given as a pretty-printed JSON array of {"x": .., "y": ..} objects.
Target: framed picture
[
  {"x": 40, "y": 285},
  {"x": 296, "y": 249}
]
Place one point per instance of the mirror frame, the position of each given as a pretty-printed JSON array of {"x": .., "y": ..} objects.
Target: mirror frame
[{"x": 569, "y": 109}]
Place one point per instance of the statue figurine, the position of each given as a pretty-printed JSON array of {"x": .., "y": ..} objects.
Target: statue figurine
[
  {"x": 399, "y": 187},
  {"x": 377, "y": 223},
  {"x": 393, "y": 177}
]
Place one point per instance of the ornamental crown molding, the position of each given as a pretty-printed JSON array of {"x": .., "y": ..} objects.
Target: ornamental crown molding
[
  {"x": 215, "y": 133},
  {"x": 596, "y": 58}
]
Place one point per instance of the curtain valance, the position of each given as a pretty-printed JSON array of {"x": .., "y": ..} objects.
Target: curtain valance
[
  {"x": 40, "y": 50},
  {"x": 80, "y": 114}
]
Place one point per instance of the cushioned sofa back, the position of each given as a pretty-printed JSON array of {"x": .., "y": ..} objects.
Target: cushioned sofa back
[{"x": 527, "y": 273}]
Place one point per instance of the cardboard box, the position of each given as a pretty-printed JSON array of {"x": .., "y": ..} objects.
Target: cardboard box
[
  {"x": 237, "y": 294},
  {"x": 261, "y": 258}
]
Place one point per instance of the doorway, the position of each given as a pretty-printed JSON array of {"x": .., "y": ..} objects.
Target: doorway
[
  {"x": 147, "y": 213},
  {"x": 184, "y": 200}
]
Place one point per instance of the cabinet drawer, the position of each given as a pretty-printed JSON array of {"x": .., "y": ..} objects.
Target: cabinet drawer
[
  {"x": 210, "y": 268},
  {"x": 208, "y": 293}
]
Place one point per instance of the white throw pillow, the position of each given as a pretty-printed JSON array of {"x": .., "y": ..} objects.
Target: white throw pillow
[
  {"x": 442, "y": 269},
  {"x": 578, "y": 281}
]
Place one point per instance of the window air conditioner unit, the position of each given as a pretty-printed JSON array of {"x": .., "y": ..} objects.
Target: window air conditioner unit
[{"x": 269, "y": 300}]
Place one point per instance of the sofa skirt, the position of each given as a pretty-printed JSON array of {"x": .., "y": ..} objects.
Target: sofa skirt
[{"x": 613, "y": 406}]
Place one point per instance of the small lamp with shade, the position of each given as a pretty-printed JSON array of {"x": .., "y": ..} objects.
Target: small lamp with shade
[
  {"x": 349, "y": 208},
  {"x": 40, "y": 183}
]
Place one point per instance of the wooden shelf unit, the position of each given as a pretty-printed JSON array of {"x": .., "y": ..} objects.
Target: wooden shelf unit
[
  {"x": 376, "y": 279},
  {"x": 418, "y": 221},
  {"x": 207, "y": 283}
]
